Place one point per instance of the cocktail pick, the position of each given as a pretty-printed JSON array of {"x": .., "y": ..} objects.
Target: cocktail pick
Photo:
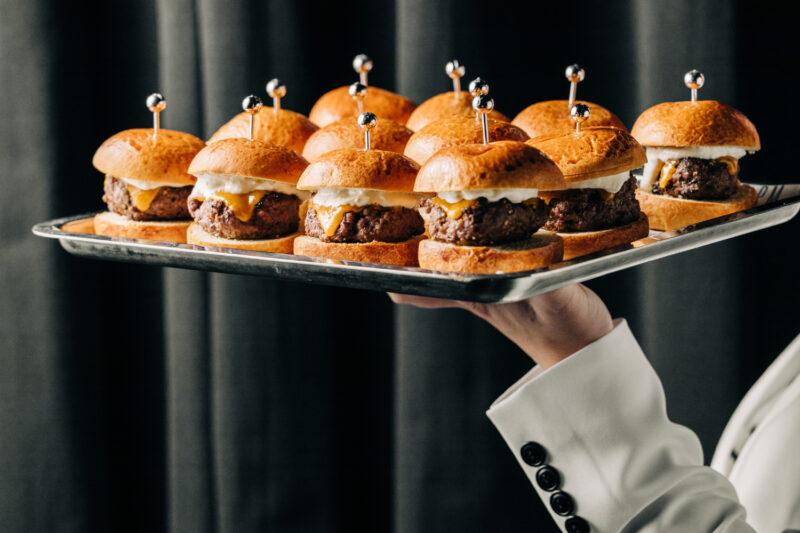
[
  {"x": 367, "y": 121},
  {"x": 362, "y": 64},
  {"x": 358, "y": 91},
  {"x": 579, "y": 113},
  {"x": 694, "y": 79},
  {"x": 477, "y": 87},
  {"x": 156, "y": 104},
  {"x": 575, "y": 75},
  {"x": 483, "y": 105},
  {"x": 251, "y": 105},
  {"x": 455, "y": 70},
  {"x": 276, "y": 90}
]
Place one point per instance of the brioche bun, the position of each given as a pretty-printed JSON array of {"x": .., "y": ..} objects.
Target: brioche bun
[
  {"x": 361, "y": 169},
  {"x": 338, "y": 104},
  {"x": 586, "y": 242},
  {"x": 552, "y": 117},
  {"x": 497, "y": 165},
  {"x": 701, "y": 123},
  {"x": 114, "y": 225},
  {"x": 250, "y": 158},
  {"x": 539, "y": 251},
  {"x": 592, "y": 152},
  {"x": 387, "y": 253},
  {"x": 670, "y": 213},
  {"x": 346, "y": 133},
  {"x": 455, "y": 131},
  {"x": 284, "y": 128},
  {"x": 282, "y": 245},
  {"x": 136, "y": 154},
  {"x": 446, "y": 105}
]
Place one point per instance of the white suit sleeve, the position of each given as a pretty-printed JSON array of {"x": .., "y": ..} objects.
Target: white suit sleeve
[{"x": 592, "y": 435}]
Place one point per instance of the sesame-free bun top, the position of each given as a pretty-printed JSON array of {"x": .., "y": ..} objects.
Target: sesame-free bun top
[
  {"x": 346, "y": 133},
  {"x": 249, "y": 158},
  {"x": 136, "y": 155},
  {"x": 284, "y": 128},
  {"x": 592, "y": 152},
  {"x": 361, "y": 169},
  {"x": 701, "y": 123},
  {"x": 338, "y": 104},
  {"x": 456, "y": 131},
  {"x": 497, "y": 165},
  {"x": 553, "y": 117},
  {"x": 446, "y": 105}
]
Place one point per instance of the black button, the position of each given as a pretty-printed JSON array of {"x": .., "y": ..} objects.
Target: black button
[
  {"x": 562, "y": 503},
  {"x": 576, "y": 524},
  {"x": 547, "y": 478},
  {"x": 533, "y": 454}
]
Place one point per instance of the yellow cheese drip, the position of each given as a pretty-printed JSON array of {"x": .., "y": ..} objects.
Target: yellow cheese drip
[
  {"x": 330, "y": 216},
  {"x": 142, "y": 198},
  {"x": 732, "y": 162},
  {"x": 666, "y": 173},
  {"x": 242, "y": 204},
  {"x": 453, "y": 210}
]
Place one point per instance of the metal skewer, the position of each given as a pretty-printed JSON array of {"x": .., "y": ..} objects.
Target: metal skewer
[
  {"x": 276, "y": 90},
  {"x": 156, "y": 104},
  {"x": 575, "y": 75},
  {"x": 477, "y": 87},
  {"x": 694, "y": 79},
  {"x": 362, "y": 64},
  {"x": 483, "y": 105},
  {"x": 251, "y": 105},
  {"x": 455, "y": 70},
  {"x": 358, "y": 92},
  {"x": 579, "y": 113},
  {"x": 367, "y": 121}
]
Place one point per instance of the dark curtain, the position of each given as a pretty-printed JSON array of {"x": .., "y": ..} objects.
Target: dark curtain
[{"x": 134, "y": 398}]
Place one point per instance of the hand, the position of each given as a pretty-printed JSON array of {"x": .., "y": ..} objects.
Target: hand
[{"x": 548, "y": 327}]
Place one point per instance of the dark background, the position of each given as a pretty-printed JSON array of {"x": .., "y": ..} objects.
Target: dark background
[{"x": 141, "y": 399}]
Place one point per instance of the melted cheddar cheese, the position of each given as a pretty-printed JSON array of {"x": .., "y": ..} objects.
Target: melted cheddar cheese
[
  {"x": 142, "y": 198},
  {"x": 331, "y": 216},
  {"x": 243, "y": 204},
  {"x": 732, "y": 162},
  {"x": 453, "y": 210},
  {"x": 667, "y": 170}
]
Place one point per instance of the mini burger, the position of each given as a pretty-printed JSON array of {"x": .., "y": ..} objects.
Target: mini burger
[
  {"x": 274, "y": 125},
  {"x": 338, "y": 103},
  {"x": 147, "y": 181},
  {"x": 693, "y": 151},
  {"x": 364, "y": 208},
  {"x": 455, "y": 103},
  {"x": 245, "y": 196},
  {"x": 597, "y": 209}
]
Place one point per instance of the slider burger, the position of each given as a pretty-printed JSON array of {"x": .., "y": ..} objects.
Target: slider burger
[
  {"x": 338, "y": 104},
  {"x": 455, "y": 103},
  {"x": 597, "y": 209},
  {"x": 364, "y": 208},
  {"x": 245, "y": 196},
  {"x": 147, "y": 181},
  {"x": 693, "y": 151},
  {"x": 274, "y": 125},
  {"x": 552, "y": 117}
]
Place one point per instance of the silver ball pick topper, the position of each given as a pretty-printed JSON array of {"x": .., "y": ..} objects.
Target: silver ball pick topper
[
  {"x": 156, "y": 104},
  {"x": 455, "y": 70},
  {"x": 251, "y": 105},
  {"x": 367, "y": 121},
  {"x": 694, "y": 79},
  {"x": 362, "y": 64},
  {"x": 478, "y": 86},
  {"x": 358, "y": 92},
  {"x": 575, "y": 75},
  {"x": 483, "y": 105},
  {"x": 580, "y": 114},
  {"x": 276, "y": 90}
]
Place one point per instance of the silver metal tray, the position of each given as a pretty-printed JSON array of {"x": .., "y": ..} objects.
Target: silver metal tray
[{"x": 777, "y": 204}]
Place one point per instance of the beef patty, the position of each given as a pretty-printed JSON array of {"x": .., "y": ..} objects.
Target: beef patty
[
  {"x": 275, "y": 215},
  {"x": 370, "y": 223},
  {"x": 168, "y": 204},
  {"x": 700, "y": 179},
  {"x": 592, "y": 209}
]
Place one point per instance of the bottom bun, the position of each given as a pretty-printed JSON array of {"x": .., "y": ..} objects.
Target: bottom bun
[
  {"x": 114, "y": 225},
  {"x": 585, "y": 242},
  {"x": 539, "y": 251},
  {"x": 281, "y": 245},
  {"x": 669, "y": 213},
  {"x": 387, "y": 253}
]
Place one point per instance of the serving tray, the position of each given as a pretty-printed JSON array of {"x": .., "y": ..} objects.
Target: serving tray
[{"x": 777, "y": 204}]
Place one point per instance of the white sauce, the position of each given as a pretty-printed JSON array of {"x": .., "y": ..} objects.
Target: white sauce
[
  {"x": 147, "y": 185},
  {"x": 336, "y": 196},
  {"x": 658, "y": 155},
  {"x": 209, "y": 184},
  {"x": 516, "y": 196},
  {"x": 611, "y": 183}
]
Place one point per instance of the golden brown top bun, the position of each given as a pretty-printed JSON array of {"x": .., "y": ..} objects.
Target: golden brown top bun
[
  {"x": 135, "y": 154},
  {"x": 552, "y": 117},
  {"x": 249, "y": 158},
  {"x": 338, "y": 104},
  {"x": 361, "y": 169},
  {"x": 456, "y": 131},
  {"x": 702, "y": 123},
  {"x": 592, "y": 152},
  {"x": 497, "y": 165},
  {"x": 284, "y": 128},
  {"x": 346, "y": 133},
  {"x": 446, "y": 105}
]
